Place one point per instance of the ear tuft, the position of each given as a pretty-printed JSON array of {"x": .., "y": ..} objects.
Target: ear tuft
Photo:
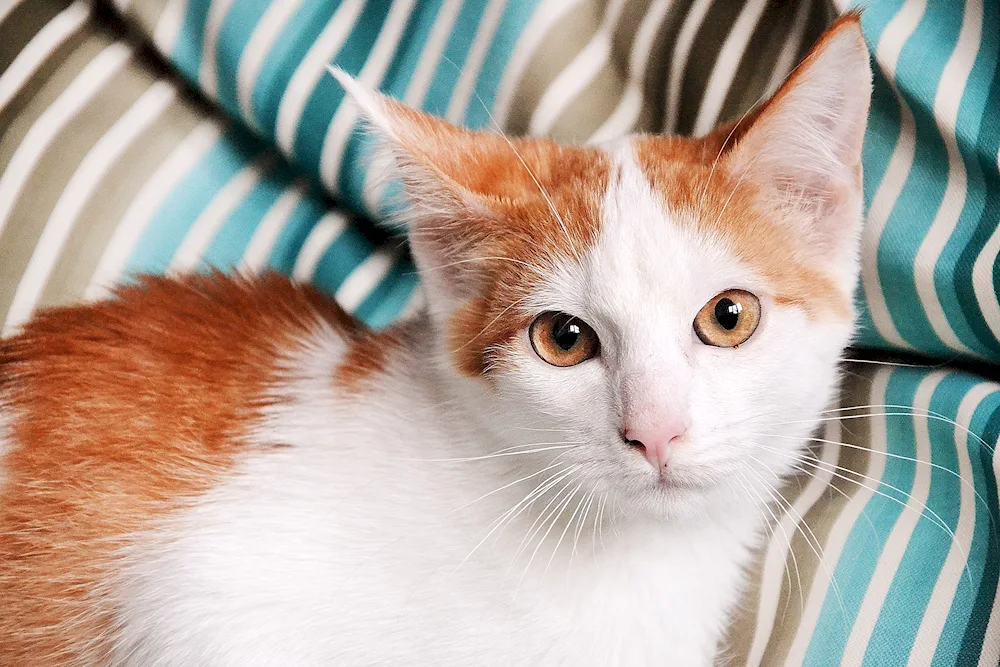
[{"x": 371, "y": 103}]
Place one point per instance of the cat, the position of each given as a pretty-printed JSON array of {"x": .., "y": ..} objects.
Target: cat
[{"x": 564, "y": 459}]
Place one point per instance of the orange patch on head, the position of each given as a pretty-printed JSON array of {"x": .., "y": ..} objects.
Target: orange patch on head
[
  {"x": 511, "y": 206},
  {"x": 717, "y": 203},
  {"x": 525, "y": 234},
  {"x": 122, "y": 411},
  {"x": 766, "y": 188}
]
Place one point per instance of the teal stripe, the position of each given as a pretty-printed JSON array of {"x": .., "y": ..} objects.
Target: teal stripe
[
  {"x": 863, "y": 548},
  {"x": 453, "y": 58},
  {"x": 345, "y": 254},
  {"x": 880, "y": 140},
  {"x": 236, "y": 30},
  {"x": 328, "y": 94},
  {"x": 975, "y": 629},
  {"x": 930, "y": 543},
  {"x": 288, "y": 50},
  {"x": 970, "y": 117},
  {"x": 962, "y": 607},
  {"x": 921, "y": 61},
  {"x": 986, "y": 144},
  {"x": 411, "y": 48},
  {"x": 167, "y": 229},
  {"x": 295, "y": 232},
  {"x": 513, "y": 21},
  {"x": 230, "y": 243},
  {"x": 187, "y": 50},
  {"x": 383, "y": 303},
  {"x": 395, "y": 82}
]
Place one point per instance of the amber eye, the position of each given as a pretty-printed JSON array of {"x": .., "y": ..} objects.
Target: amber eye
[
  {"x": 729, "y": 319},
  {"x": 563, "y": 340}
]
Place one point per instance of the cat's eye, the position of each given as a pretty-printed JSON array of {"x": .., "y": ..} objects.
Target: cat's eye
[
  {"x": 563, "y": 340},
  {"x": 728, "y": 319}
]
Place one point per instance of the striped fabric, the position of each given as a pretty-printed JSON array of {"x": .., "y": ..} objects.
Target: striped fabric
[
  {"x": 223, "y": 143},
  {"x": 885, "y": 550},
  {"x": 931, "y": 179},
  {"x": 109, "y": 168}
]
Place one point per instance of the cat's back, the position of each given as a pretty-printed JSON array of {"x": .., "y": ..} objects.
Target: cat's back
[{"x": 112, "y": 415}]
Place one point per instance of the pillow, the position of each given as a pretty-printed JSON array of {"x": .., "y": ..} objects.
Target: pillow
[{"x": 109, "y": 166}]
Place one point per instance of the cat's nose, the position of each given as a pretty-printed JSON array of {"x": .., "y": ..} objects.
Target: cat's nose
[{"x": 657, "y": 441}]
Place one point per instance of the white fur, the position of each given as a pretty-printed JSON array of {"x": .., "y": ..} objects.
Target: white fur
[{"x": 356, "y": 545}]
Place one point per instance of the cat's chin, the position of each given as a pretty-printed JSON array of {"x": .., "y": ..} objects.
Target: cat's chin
[{"x": 674, "y": 497}]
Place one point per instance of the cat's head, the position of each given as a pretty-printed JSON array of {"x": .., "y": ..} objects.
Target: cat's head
[{"x": 669, "y": 311}]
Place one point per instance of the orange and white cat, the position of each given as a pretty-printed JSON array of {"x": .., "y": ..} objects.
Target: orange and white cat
[{"x": 559, "y": 462}]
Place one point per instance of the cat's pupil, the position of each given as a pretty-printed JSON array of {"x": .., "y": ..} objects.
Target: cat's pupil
[
  {"x": 566, "y": 332},
  {"x": 727, "y": 313}
]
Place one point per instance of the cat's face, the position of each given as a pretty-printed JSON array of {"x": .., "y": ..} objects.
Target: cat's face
[{"x": 662, "y": 316}]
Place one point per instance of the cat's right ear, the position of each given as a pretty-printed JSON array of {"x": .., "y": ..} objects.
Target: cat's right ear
[{"x": 457, "y": 182}]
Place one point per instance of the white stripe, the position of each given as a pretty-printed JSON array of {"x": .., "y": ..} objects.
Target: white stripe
[
  {"x": 266, "y": 235},
  {"x": 41, "y": 46},
  {"x": 363, "y": 279},
  {"x": 779, "y": 548},
  {"x": 339, "y": 130},
  {"x": 953, "y": 572},
  {"x": 169, "y": 25},
  {"x": 982, "y": 279},
  {"x": 678, "y": 61},
  {"x": 92, "y": 169},
  {"x": 46, "y": 128},
  {"x": 271, "y": 23},
  {"x": 326, "y": 231},
  {"x": 122, "y": 5},
  {"x": 312, "y": 67},
  {"x": 577, "y": 75},
  {"x": 622, "y": 120},
  {"x": 726, "y": 64},
  {"x": 894, "y": 37},
  {"x": 845, "y": 524},
  {"x": 430, "y": 57},
  {"x": 147, "y": 202},
  {"x": 899, "y": 538},
  {"x": 207, "y": 74},
  {"x": 990, "y": 655},
  {"x": 458, "y": 107},
  {"x": 189, "y": 254},
  {"x": 951, "y": 87},
  {"x": 785, "y": 61},
  {"x": 546, "y": 14}
]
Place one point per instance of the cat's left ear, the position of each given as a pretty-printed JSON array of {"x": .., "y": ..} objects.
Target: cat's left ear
[{"x": 803, "y": 148}]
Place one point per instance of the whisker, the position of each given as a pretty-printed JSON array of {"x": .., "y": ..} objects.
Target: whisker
[
  {"x": 788, "y": 542},
  {"x": 901, "y": 457},
  {"x": 510, "y": 514},
  {"x": 810, "y": 539},
  {"x": 925, "y": 511},
  {"x": 496, "y": 455}
]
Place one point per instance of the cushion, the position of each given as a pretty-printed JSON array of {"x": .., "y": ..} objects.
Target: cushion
[{"x": 174, "y": 135}]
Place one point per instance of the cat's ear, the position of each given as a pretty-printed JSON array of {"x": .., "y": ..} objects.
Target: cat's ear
[
  {"x": 803, "y": 147},
  {"x": 457, "y": 182}
]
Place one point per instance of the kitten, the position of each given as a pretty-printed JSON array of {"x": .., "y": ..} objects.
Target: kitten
[{"x": 564, "y": 461}]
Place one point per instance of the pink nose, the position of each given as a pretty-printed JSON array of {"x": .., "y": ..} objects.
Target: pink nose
[{"x": 657, "y": 442}]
